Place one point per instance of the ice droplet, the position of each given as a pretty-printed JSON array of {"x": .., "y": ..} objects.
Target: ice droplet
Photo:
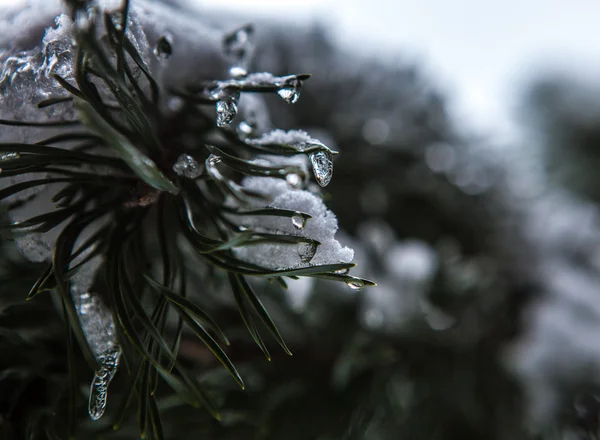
[
  {"x": 306, "y": 251},
  {"x": 164, "y": 47},
  {"x": 227, "y": 106},
  {"x": 342, "y": 271},
  {"x": 294, "y": 180},
  {"x": 298, "y": 220},
  {"x": 187, "y": 166},
  {"x": 322, "y": 164},
  {"x": 239, "y": 47},
  {"x": 290, "y": 93},
  {"x": 355, "y": 284},
  {"x": 109, "y": 362}
]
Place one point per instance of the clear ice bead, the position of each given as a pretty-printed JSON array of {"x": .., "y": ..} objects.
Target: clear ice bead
[
  {"x": 298, "y": 221},
  {"x": 322, "y": 164},
  {"x": 187, "y": 166}
]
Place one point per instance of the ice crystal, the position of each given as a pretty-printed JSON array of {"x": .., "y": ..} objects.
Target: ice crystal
[
  {"x": 322, "y": 167},
  {"x": 187, "y": 166}
]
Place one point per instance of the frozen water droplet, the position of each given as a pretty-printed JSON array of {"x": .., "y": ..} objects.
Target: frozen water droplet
[
  {"x": 164, "y": 47},
  {"x": 9, "y": 156},
  {"x": 289, "y": 94},
  {"x": 322, "y": 164},
  {"x": 226, "y": 110},
  {"x": 238, "y": 46},
  {"x": 306, "y": 251},
  {"x": 298, "y": 220},
  {"x": 109, "y": 363},
  {"x": 294, "y": 180},
  {"x": 355, "y": 284},
  {"x": 187, "y": 166},
  {"x": 226, "y": 106},
  {"x": 342, "y": 271}
]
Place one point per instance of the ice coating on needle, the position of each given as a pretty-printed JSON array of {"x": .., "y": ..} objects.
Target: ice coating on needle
[
  {"x": 95, "y": 317},
  {"x": 99, "y": 328},
  {"x": 321, "y": 227}
]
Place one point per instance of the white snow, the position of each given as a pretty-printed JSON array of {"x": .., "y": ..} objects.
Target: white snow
[
  {"x": 260, "y": 78},
  {"x": 297, "y": 138},
  {"x": 321, "y": 227}
]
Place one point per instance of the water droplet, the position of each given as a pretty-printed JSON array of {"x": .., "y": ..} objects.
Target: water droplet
[
  {"x": 289, "y": 94},
  {"x": 306, "y": 251},
  {"x": 322, "y": 164},
  {"x": 355, "y": 283},
  {"x": 294, "y": 180},
  {"x": 9, "y": 156},
  {"x": 187, "y": 166},
  {"x": 109, "y": 362},
  {"x": 226, "y": 106},
  {"x": 342, "y": 271},
  {"x": 298, "y": 220},
  {"x": 164, "y": 47},
  {"x": 226, "y": 111}
]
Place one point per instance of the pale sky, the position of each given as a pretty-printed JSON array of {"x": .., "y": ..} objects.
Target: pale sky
[{"x": 479, "y": 51}]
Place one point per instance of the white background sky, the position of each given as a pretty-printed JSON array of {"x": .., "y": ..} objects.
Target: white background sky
[{"x": 480, "y": 51}]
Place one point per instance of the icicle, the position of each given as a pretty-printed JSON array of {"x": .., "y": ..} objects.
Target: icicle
[
  {"x": 187, "y": 166},
  {"x": 238, "y": 46},
  {"x": 109, "y": 363},
  {"x": 322, "y": 167},
  {"x": 99, "y": 328},
  {"x": 164, "y": 47}
]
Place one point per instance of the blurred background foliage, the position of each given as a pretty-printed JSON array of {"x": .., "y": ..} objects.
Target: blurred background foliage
[{"x": 459, "y": 245}]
